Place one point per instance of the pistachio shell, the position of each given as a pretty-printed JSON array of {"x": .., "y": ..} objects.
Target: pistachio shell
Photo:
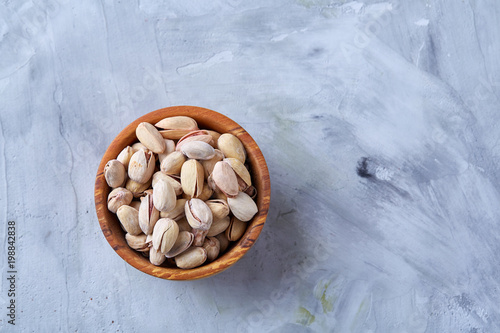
[
  {"x": 125, "y": 155},
  {"x": 182, "y": 243},
  {"x": 174, "y": 134},
  {"x": 219, "y": 208},
  {"x": 231, "y": 146},
  {"x": 251, "y": 191},
  {"x": 225, "y": 179},
  {"x": 200, "y": 218},
  {"x": 212, "y": 246},
  {"x": 172, "y": 163},
  {"x": 206, "y": 193},
  {"x": 172, "y": 179},
  {"x": 165, "y": 234},
  {"x": 177, "y": 213},
  {"x": 156, "y": 257},
  {"x": 184, "y": 224},
  {"x": 148, "y": 214},
  {"x": 223, "y": 241},
  {"x": 215, "y": 137},
  {"x": 135, "y": 204},
  {"x": 198, "y": 150},
  {"x": 208, "y": 165},
  {"x": 192, "y": 178},
  {"x": 115, "y": 173},
  {"x": 242, "y": 206},
  {"x": 137, "y": 242},
  {"x": 178, "y": 122},
  {"x": 240, "y": 170},
  {"x": 149, "y": 136},
  {"x": 219, "y": 226},
  {"x": 118, "y": 197},
  {"x": 235, "y": 230},
  {"x": 136, "y": 188},
  {"x": 169, "y": 148},
  {"x": 129, "y": 219},
  {"x": 191, "y": 258},
  {"x": 164, "y": 197},
  {"x": 194, "y": 136},
  {"x": 141, "y": 166},
  {"x": 138, "y": 146}
]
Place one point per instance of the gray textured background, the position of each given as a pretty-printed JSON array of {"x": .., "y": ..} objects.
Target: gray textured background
[{"x": 403, "y": 93}]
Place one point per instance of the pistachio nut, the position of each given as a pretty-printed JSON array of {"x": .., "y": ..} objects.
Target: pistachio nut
[
  {"x": 200, "y": 135},
  {"x": 149, "y": 136},
  {"x": 141, "y": 166},
  {"x": 148, "y": 214},
  {"x": 225, "y": 179},
  {"x": 178, "y": 122},
  {"x": 172, "y": 163},
  {"x": 137, "y": 242},
  {"x": 219, "y": 226},
  {"x": 192, "y": 178},
  {"x": 177, "y": 213},
  {"x": 212, "y": 246},
  {"x": 115, "y": 173},
  {"x": 125, "y": 155},
  {"x": 231, "y": 146},
  {"x": 191, "y": 258},
  {"x": 129, "y": 219},
  {"x": 242, "y": 206},
  {"x": 169, "y": 148},
  {"x": 208, "y": 165},
  {"x": 118, "y": 197},
  {"x": 156, "y": 257},
  {"x": 182, "y": 243},
  {"x": 172, "y": 179},
  {"x": 174, "y": 134},
  {"x": 219, "y": 208},
  {"x": 198, "y": 150},
  {"x": 215, "y": 137},
  {"x": 235, "y": 230},
  {"x": 223, "y": 241},
  {"x": 165, "y": 233},
  {"x": 164, "y": 197},
  {"x": 199, "y": 217},
  {"x": 240, "y": 170},
  {"x": 137, "y": 188},
  {"x": 184, "y": 224}
]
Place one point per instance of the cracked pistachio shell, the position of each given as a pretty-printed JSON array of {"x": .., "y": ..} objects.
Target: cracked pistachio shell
[
  {"x": 215, "y": 137},
  {"x": 182, "y": 243},
  {"x": 223, "y": 241},
  {"x": 174, "y": 134},
  {"x": 149, "y": 136},
  {"x": 219, "y": 208},
  {"x": 138, "y": 146},
  {"x": 225, "y": 179},
  {"x": 184, "y": 224},
  {"x": 191, "y": 258},
  {"x": 198, "y": 150},
  {"x": 164, "y": 197},
  {"x": 177, "y": 213},
  {"x": 165, "y": 234},
  {"x": 242, "y": 206},
  {"x": 129, "y": 219},
  {"x": 219, "y": 226},
  {"x": 240, "y": 170},
  {"x": 192, "y": 178},
  {"x": 206, "y": 193},
  {"x": 231, "y": 146},
  {"x": 201, "y": 135},
  {"x": 169, "y": 148},
  {"x": 125, "y": 155},
  {"x": 178, "y": 122},
  {"x": 115, "y": 173},
  {"x": 212, "y": 246},
  {"x": 208, "y": 165},
  {"x": 235, "y": 230},
  {"x": 141, "y": 166},
  {"x": 148, "y": 214},
  {"x": 172, "y": 179},
  {"x": 137, "y": 242},
  {"x": 172, "y": 163},
  {"x": 156, "y": 257},
  {"x": 136, "y": 188},
  {"x": 251, "y": 191},
  {"x": 199, "y": 217},
  {"x": 118, "y": 197}
]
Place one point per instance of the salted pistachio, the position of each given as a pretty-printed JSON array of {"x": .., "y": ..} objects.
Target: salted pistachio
[
  {"x": 182, "y": 243},
  {"x": 242, "y": 206},
  {"x": 251, "y": 191},
  {"x": 241, "y": 172},
  {"x": 208, "y": 165},
  {"x": 184, "y": 224},
  {"x": 156, "y": 257},
  {"x": 235, "y": 230},
  {"x": 129, "y": 219},
  {"x": 174, "y": 134},
  {"x": 177, "y": 213},
  {"x": 178, "y": 122},
  {"x": 191, "y": 258},
  {"x": 192, "y": 178},
  {"x": 173, "y": 163},
  {"x": 118, "y": 197},
  {"x": 225, "y": 179},
  {"x": 212, "y": 246},
  {"x": 215, "y": 137},
  {"x": 200, "y": 135},
  {"x": 148, "y": 214},
  {"x": 165, "y": 234},
  {"x": 115, "y": 173},
  {"x": 135, "y": 204},
  {"x": 164, "y": 197},
  {"x": 141, "y": 166},
  {"x": 206, "y": 193},
  {"x": 231, "y": 146},
  {"x": 125, "y": 155},
  {"x": 219, "y": 226},
  {"x": 199, "y": 217},
  {"x": 198, "y": 150},
  {"x": 219, "y": 208},
  {"x": 172, "y": 179},
  {"x": 137, "y": 188},
  {"x": 138, "y": 146},
  {"x": 223, "y": 241},
  {"x": 169, "y": 148},
  {"x": 137, "y": 242},
  {"x": 149, "y": 136}
]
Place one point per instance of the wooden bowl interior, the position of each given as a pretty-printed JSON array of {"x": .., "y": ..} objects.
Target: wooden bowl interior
[{"x": 207, "y": 119}]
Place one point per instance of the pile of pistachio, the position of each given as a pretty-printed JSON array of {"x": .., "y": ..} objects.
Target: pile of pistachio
[{"x": 195, "y": 192}]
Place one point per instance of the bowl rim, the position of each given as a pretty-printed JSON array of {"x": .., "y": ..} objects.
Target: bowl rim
[{"x": 110, "y": 225}]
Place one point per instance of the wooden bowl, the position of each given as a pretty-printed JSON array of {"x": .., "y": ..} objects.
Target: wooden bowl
[{"x": 207, "y": 119}]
